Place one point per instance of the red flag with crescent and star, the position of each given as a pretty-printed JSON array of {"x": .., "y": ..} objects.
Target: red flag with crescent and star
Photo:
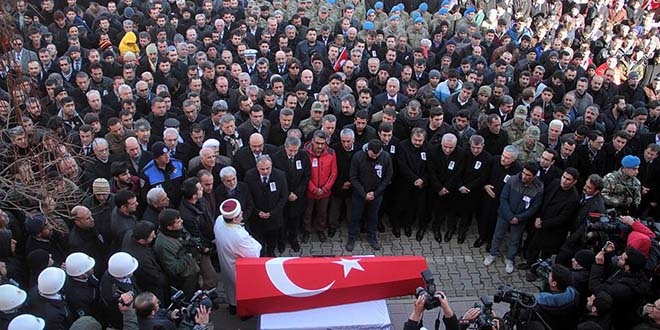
[{"x": 274, "y": 285}]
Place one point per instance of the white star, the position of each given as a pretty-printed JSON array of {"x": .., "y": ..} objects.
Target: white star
[{"x": 349, "y": 264}]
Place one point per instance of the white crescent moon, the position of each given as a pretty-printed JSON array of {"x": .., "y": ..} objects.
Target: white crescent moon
[{"x": 282, "y": 282}]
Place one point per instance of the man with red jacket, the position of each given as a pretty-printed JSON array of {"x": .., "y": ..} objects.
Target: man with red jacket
[{"x": 324, "y": 173}]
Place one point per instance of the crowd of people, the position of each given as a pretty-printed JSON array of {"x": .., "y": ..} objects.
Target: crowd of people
[{"x": 150, "y": 143}]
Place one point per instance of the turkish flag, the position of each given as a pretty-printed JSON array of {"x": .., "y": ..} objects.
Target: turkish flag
[
  {"x": 274, "y": 285},
  {"x": 343, "y": 56}
]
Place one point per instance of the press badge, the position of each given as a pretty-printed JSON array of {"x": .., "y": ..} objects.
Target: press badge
[
  {"x": 477, "y": 165},
  {"x": 315, "y": 162},
  {"x": 392, "y": 149},
  {"x": 240, "y": 143},
  {"x": 451, "y": 165},
  {"x": 506, "y": 178},
  {"x": 299, "y": 164},
  {"x": 273, "y": 187},
  {"x": 379, "y": 170},
  {"x": 527, "y": 201},
  {"x": 423, "y": 155}
]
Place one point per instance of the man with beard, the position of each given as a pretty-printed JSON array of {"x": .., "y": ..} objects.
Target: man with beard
[
  {"x": 85, "y": 238},
  {"x": 495, "y": 139},
  {"x": 150, "y": 276},
  {"x": 413, "y": 180},
  {"x": 632, "y": 90}
]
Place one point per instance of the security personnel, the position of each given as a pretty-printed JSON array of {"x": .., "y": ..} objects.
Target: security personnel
[
  {"x": 164, "y": 171},
  {"x": 12, "y": 299},
  {"x": 529, "y": 147},
  {"x": 82, "y": 288},
  {"x": 621, "y": 189},
  {"x": 47, "y": 302},
  {"x": 117, "y": 283}
]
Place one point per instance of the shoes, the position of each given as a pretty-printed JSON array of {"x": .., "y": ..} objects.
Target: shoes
[
  {"x": 305, "y": 237},
  {"x": 407, "y": 231},
  {"x": 461, "y": 238},
  {"x": 322, "y": 237},
  {"x": 295, "y": 246},
  {"x": 530, "y": 277},
  {"x": 350, "y": 244},
  {"x": 374, "y": 243},
  {"x": 420, "y": 234},
  {"x": 489, "y": 260},
  {"x": 479, "y": 242},
  {"x": 524, "y": 265},
  {"x": 396, "y": 232},
  {"x": 508, "y": 266},
  {"x": 381, "y": 227},
  {"x": 438, "y": 236},
  {"x": 232, "y": 310},
  {"x": 449, "y": 234},
  {"x": 281, "y": 246},
  {"x": 332, "y": 232}
]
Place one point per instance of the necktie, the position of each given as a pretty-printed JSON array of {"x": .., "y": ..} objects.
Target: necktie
[{"x": 264, "y": 181}]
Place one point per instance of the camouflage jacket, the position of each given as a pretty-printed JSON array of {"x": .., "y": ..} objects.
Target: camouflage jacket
[{"x": 620, "y": 191}]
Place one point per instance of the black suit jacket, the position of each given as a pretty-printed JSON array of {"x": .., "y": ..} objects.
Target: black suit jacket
[
  {"x": 244, "y": 159},
  {"x": 241, "y": 193},
  {"x": 381, "y": 99},
  {"x": 297, "y": 173},
  {"x": 146, "y": 157},
  {"x": 267, "y": 198}
]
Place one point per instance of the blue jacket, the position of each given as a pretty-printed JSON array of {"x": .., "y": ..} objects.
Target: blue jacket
[
  {"x": 520, "y": 201},
  {"x": 169, "y": 179}
]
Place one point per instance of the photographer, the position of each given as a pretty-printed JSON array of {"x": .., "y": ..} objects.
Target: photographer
[
  {"x": 415, "y": 320},
  {"x": 151, "y": 316},
  {"x": 559, "y": 308},
  {"x": 628, "y": 286},
  {"x": 640, "y": 237},
  {"x": 651, "y": 313},
  {"x": 598, "y": 307},
  {"x": 580, "y": 269},
  {"x": 171, "y": 248}
]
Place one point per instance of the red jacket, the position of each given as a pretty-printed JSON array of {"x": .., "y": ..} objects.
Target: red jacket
[{"x": 324, "y": 172}]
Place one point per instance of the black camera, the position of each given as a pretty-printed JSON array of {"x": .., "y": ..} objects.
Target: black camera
[
  {"x": 485, "y": 321},
  {"x": 604, "y": 223},
  {"x": 508, "y": 294},
  {"x": 188, "y": 309},
  {"x": 428, "y": 291},
  {"x": 542, "y": 268}
]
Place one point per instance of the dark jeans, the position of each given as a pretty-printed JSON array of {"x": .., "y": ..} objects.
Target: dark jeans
[{"x": 358, "y": 206}]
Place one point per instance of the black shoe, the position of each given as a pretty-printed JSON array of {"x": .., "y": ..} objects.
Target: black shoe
[
  {"x": 381, "y": 227},
  {"x": 437, "y": 235},
  {"x": 523, "y": 265},
  {"x": 488, "y": 246},
  {"x": 232, "y": 310},
  {"x": 350, "y": 244},
  {"x": 396, "y": 232},
  {"x": 295, "y": 246},
  {"x": 461, "y": 238},
  {"x": 478, "y": 243},
  {"x": 305, "y": 237},
  {"x": 322, "y": 237},
  {"x": 407, "y": 231},
  {"x": 332, "y": 232},
  {"x": 374, "y": 243},
  {"x": 448, "y": 235},
  {"x": 281, "y": 246},
  {"x": 420, "y": 234}
]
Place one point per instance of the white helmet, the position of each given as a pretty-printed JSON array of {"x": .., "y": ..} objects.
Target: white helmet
[
  {"x": 51, "y": 280},
  {"x": 11, "y": 297},
  {"x": 78, "y": 263},
  {"x": 122, "y": 264},
  {"x": 26, "y": 322}
]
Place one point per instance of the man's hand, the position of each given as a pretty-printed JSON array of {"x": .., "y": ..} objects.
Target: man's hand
[
  {"x": 370, "y": 196},
  {"x": 319, "y": 192},
  {"x": 537, "y": 223},
  {"x": 471, "y": 314},
  {"x": 628, "y": 220},
  {"x": 443, "y": 192},
  {"x": 264, "y": 215},
  {"x": 645, "y": 190},
  {"x": 514, "y": 221},
  {"x": 125, "y": 302},
  {"x": 292, "y": 197},
  {"x": 600, "y": 258},
  {"x": 419, "y": 183},
  {"x": 490, "y": 190},
  {"x": 464, "y": 190},
  {"x": 346, "y": 185},
  {"x": 418, "y": 308},
  {"x": 203, "y": 315}
]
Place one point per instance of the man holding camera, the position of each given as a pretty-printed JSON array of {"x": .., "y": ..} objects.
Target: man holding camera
[
  {"x": 150, "y": 315},
  {"x": 559, "y": 308}
]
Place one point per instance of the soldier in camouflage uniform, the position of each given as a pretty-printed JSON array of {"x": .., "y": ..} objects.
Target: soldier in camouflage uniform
[
  {"x": 529, "y": 146},
  {"x": 517, "y": 127},
  {"x": 621, "y": 189},
  {"x": 417, "y": 32},
  {"x": 322, "y": 18}
]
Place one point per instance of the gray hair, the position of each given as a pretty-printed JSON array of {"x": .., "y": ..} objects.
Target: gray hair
[
  {"x": 99, "y": 142},
  {"x": 124, "y": 88},
  {"x": 227, "y": 171},
  {"x": 511, "y": 149},
  {"x": 92, "y": 92},
  {"x": 154, "y": 194},
  {"x": 170, "y": 131},
  {"x": 329, "y": 117},
  {"x": 264, "y": 158},
  {"x": 347, "y": 132},
  {"x": 286, "y": 112},
  {"x": 558, "y": 123},
  {"x": 450, "y": 138},
  {"x": 477, "y": 140},
  {"x": 141, "y": 124},
  {"x": 227, "y": 118},
  {"x": 203, "y": 149},
  {"x": 292, "y": 141}
]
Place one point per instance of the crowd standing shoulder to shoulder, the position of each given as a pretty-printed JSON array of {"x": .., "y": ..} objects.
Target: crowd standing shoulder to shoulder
[{"x": 148, "y": 145}]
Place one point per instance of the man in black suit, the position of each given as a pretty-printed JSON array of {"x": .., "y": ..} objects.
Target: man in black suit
[
  {"x": 245, "y": 158},
  {"x": 548, "y": 171},
  {"x": 180, "y": 151},
  {"x": 135, "y": 157},
  {"x": 232, "y": 188},
  {"x": 270, "y": 193},
  {"x": 294, "y": 161},
  {"x": 590, "y": 155},
  {"x": 255, "y": 124},
  {"x": 392, "y": 93}
]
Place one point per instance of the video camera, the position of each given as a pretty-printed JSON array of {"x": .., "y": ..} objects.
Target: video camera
[
  {"x": 601, "y": 228},
  {"x": 485, "y": 321},
  {"x": 542, "y": 268},
  {"x": 508, "y": 294},
  {"x": 428, "y": 291},
  {"x": 188, "y": 310}
]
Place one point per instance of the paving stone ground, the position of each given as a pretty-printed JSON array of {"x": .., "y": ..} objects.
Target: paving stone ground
[{"x": 458, "y": 271}]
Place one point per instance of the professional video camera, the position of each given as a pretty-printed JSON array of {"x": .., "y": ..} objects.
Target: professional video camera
[
  {"x": 428, "y": 291},
  {"x": 188, "y": 309},
  {"x": 485, "y": 321},
  {"x": 521, "y": 306},
  {"x": 601, "y": 228},
  {"x": 542, "y": 268}
]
